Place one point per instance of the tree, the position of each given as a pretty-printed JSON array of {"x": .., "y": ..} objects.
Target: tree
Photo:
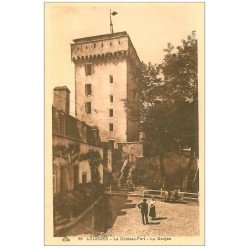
[
  {"x": 73, "y": 154},
  {"x": 168, "y": 107},
  {"x": 69, "y": 153},
  {"x": 180, "y": 70},
  {"x": 144, "y": 105}
]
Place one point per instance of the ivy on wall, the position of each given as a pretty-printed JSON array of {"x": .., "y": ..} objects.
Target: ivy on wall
[{"x": 72, "y": 154}]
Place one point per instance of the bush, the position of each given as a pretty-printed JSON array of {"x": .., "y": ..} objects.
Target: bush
[
  {"x": 70, "y": 203},
  {"x": 74, "y": 202}
]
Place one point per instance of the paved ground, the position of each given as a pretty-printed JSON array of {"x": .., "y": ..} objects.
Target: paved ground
[{"x": 172, "y": 219}]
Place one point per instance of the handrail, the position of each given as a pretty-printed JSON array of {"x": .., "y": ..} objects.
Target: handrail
[
  {"x": 153, "y": 190},
  {"x": 160, "y": 193}
]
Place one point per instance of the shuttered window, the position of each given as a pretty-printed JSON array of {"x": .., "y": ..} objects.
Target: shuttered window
[
  {"x": 88, "y": 107},
  {"x": 88, "y": 69},
  {"x": 88, "y": 89},
  {"x": 111, "y": 127}
]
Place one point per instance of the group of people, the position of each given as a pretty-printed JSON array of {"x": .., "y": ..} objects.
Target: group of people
[
  {"x": 168, "y": 197},
  {"x": 144, "y": 210},
  {"x": 171, "y": 196}
]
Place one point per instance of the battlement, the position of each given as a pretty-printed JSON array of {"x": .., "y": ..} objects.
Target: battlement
[
  {"x": 100, "y": 47},
  {"x": 101, "y": 37}
]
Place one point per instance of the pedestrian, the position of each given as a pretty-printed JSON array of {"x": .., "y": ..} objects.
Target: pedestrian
[
  {"x": 152, "y": 211},
  {"x": 144, "y": 211},
  {"x": 166, "y": 196},
  {"x": 176, "y": 195}
]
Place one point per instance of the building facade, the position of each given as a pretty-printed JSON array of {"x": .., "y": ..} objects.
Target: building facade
[
  {"x": 106, "y": 74},
  {"x": 66, "y": 131}
]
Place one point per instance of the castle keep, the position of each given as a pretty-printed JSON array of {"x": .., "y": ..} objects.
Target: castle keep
[{"x": 106, "y": 73}]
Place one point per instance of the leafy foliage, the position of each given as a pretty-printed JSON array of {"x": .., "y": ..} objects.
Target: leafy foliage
[
  {"x": 95, "y": 159},
  {"x": 167, "y": 101},
  {"x": 72, "y": 154},
  {"x": 69, "y": 153},
  {"x": 172, "y": 110},
  {"x": 179, "y": 93},
  {"x": 71, "y": 203}
]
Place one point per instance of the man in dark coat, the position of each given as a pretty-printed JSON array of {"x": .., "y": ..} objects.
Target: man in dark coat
[{"x": 144, "y": 210}]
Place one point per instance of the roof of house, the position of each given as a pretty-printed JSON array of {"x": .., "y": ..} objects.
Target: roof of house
[
  {"x": 62, "y": 88},
  {"x": 67, "y": 126}
]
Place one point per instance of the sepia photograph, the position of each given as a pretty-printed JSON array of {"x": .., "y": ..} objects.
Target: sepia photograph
[{"x": 124, "y": 123}]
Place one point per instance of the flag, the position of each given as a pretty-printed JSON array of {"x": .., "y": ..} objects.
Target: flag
[{"x": 114, "y": 13}]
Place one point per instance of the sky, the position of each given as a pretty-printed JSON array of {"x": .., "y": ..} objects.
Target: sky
[{"x": 150, "y": 26}]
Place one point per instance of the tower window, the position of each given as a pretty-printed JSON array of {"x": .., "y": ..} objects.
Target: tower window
[
  {"x": 111, "y": 127},
  {"x": 88, "y": 69},
  {"x": 88, "y": 90},
  {"x": 102, "y": 44},
  {"x": 111, "y": 98},
  {"x": 111, "y": 113},
  {"x": 94, "y": 45},
  {"x": 111, "y": 79},
  {"x": 88, "y": 107},
  {"x": 110, "y": 44}
]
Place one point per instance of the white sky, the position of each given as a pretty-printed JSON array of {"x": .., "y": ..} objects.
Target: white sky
[{"x": 150, "y": 27}]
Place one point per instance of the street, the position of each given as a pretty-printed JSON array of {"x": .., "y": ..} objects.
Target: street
[{"x": 171, "y": 219}]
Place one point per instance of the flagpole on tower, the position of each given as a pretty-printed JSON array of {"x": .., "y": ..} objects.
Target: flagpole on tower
[
  {"x": 113, "y": 13},
  {"x": 111, "y": 24}
]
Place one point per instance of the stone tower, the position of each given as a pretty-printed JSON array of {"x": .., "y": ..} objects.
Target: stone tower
[{"x": 106, "y": 73}]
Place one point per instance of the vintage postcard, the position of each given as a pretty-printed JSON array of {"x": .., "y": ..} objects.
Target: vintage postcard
[{"x": 124, "y": 123}]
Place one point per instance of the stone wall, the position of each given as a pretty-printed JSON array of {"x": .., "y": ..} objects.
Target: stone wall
[
  {"x": 100, "y": 97},
  {"x": 109, "y": 55},
  {"x": 175, "y": 166}
]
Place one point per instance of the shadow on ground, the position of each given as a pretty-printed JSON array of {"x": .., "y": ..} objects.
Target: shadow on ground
[
  {"x": 103, "y": 216},
  {"x": 153, "y": 223},
  {"x": 160, "y": 218}
]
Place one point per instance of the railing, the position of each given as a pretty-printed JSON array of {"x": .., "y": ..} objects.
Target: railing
[
  {"x": 160, "y": 194},
  {"x": 154, "y": 193}
]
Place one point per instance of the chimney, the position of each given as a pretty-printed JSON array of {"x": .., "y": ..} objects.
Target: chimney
[{"x": 61, "y": 98}]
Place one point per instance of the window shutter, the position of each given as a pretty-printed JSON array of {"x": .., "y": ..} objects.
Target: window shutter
[{"x": 86, "y": 68}]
